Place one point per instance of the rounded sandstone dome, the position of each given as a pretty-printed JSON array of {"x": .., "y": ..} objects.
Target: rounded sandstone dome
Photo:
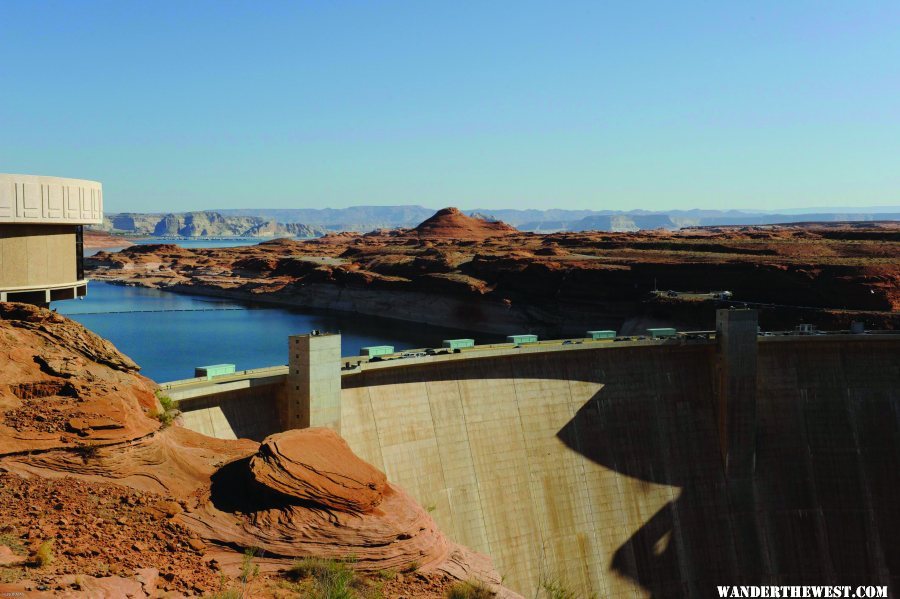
[{"x": 317, "y": 465}]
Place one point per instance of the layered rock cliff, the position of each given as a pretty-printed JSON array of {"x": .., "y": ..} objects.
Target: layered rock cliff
[
  {"x": 480, "y": 275},
  {"x": 204, "y": 224}
]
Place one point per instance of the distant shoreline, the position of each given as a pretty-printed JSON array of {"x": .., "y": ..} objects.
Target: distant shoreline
[{"x": 134, "y": 237}]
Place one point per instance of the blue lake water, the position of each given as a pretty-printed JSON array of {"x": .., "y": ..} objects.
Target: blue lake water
[
  {"x": 168, "y": 334},
  {"x": 196, "y": 331}
]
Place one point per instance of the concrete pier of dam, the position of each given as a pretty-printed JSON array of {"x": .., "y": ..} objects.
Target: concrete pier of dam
[{"x": 655, "y": 468}]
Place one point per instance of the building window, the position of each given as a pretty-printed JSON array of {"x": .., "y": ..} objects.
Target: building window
[{"x": 79, "y": 252}]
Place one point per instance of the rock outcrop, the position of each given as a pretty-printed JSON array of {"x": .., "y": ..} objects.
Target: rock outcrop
[
  {"x": 481, "y": 275},
  {"x": 316, "y": 465},
  {"x": 84, "y": 458},
  {"x": 204, "y": 224},
  {"x": 450, "y": 223},
  {"x": 304, "y": 492}
]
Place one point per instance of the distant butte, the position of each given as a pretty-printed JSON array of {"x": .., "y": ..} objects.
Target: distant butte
[{"x": 450, "y": 223}]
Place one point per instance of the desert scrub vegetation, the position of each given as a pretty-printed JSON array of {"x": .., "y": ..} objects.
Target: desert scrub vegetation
[
  {"x": 249, "y": 568},
  {"x": 10, "y": 575},
  {"x": 471, "y": 589},
  {"x": 167, "y": 411},
  {"x": 43, "y": 555},
  {"x": 12, "y": 541},
  {"x": 554, "y": 588},
  {"x": 87, "y": 451},
  {"x": 249, "y": 573},
  {"x": 319, "y": 578},
  {"x": 411, "y": 567}
]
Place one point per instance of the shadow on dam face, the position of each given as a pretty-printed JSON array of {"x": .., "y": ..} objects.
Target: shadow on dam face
[{"x": 821, "y": 507}]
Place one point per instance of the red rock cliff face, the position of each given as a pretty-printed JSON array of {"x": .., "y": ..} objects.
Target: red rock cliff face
[
  {"x": 77, "y": 421},
  {"x": 474, "y": 274}
]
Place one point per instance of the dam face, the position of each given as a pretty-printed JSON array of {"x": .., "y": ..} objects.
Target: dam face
[{"x": 603, "y": 466}]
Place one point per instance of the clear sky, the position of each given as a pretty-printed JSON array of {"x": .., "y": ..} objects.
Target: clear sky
[{"x": 654, "y": 105}]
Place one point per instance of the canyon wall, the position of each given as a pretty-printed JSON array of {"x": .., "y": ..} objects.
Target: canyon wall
[
  {"x": 457, "y": 271},
  {"x": 203, "y": 224}
]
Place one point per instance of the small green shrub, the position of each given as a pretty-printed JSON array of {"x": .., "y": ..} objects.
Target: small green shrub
[
  {"x": 44, "y": 554},
  {"x": 88, "y": 452},
  {"x": 165, "y": 401},
  {"x": 331, "y": 579},
  {"x": 225, "y": 591},
  {"x": 168, "y": 409},
  {"x": 249, "y": 569},
  {"x": 472, "y": 589},
  {"x": 554, "y": 588},
  {"x": 411, "y": 567}
]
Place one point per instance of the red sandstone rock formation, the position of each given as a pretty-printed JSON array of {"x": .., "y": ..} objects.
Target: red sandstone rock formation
[
  {"x": 450, "y": 223},
  {"x": 304, "y": 492},
  {"x": 84, "y": 463},
  {"x": 497, "y": 280},
  {"x": 317, "y": 465}
]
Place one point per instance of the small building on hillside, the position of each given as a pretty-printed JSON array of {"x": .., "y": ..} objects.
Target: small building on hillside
[{"x": 41, "y": 236}]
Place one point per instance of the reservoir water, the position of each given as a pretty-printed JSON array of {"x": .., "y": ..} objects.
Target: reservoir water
[{"x": 168, "y": 334}]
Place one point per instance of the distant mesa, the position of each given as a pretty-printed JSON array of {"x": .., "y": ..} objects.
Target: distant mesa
[
  {"x": 451, "y": 223},
  {"x": 200, "y": 224},
  {"x": 314, "y": 222}
]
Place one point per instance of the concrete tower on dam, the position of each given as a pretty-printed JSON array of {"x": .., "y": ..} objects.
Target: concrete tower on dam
[
  {"x": 312, "y": 394},
  {"x": 41, "y": 238},
  {"x": 656, "y": 468},
  {"x": 736, "y": 362}
]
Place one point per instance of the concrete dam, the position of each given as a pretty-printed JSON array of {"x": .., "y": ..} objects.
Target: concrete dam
[{"x": 635, "y": 469}]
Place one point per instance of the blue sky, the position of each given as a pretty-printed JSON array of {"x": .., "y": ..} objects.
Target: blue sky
[{"x": 653, "y": 105}]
